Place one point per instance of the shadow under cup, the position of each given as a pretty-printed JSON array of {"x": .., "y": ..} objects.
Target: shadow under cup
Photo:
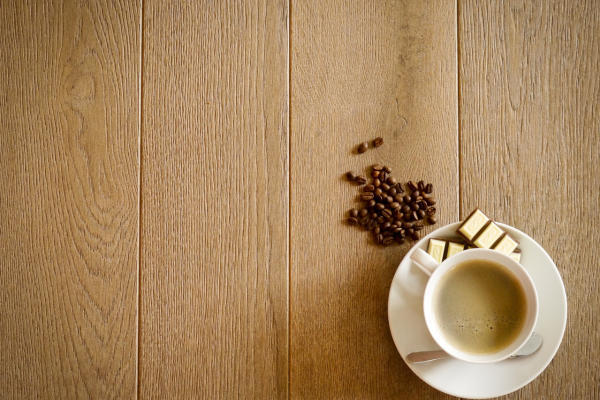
[{"x": 525, "y": 281}]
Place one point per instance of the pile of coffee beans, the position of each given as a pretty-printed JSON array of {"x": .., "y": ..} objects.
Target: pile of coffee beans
[{"x": 393, "y": 212}]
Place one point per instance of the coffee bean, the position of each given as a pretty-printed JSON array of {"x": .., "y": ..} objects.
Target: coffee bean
[
  {"x": 372, "y": 224},
  {"x": 429, "y": 188},
  {"x": 415, "y": 194},
  {"x": 397, "y": 231},
  {"x": 421, "y": 214},
  {"x": 407, "y": 225},
  {"x": 414, "y": 206},
  {"x": 364, "y": 146},
  {"x": 374, "y": 174},
  {"x": 421, "y": 185},
  {"x": 422, "y": 204},
  {"x": 386, "y": 214},
  {"x": 377, "y": 167},
  {"x": 415, "y": 236},
  {"x": 397, "y": 214},
  {"x": 418, "y": 226},
  {"x": 376, "y": 182},
  {"x": 394, "y": 205},
  {"x": 412, "y": 186},
  {"x": 369, "y": 188},
  {"x": 392, "y": 191},
  {"x": 383, "y": 176},
  {"x": 402, "y": 233},
  {"x": 385, "y": 187},
  {"x": 353, "y": 212},
  {"x": 430, "y": 200},
  {"x": 380, "y": 220},
  {"x": 389, "y": 199},
  {"x": 414, "y": 216},
  {"x": 378, "y": 191},
  {"x": 385, "y": 226},
  {"x": 378, "y": 238},
  {"x": 387, "y": 169},
  {"x": 407, "y": 199},
  {"x": 391, "y": 181},
  {"x": 361, "y": 180},
  {"x": 398, "y": 198},
  {"x": 405, "y": 208},
  {"x": 377, "y": 142},
  {"x": 400, "y": 240},
  {"x": 366, "y": 196},
  {"x": 363, "y": 212},
  {"x": 376, "y": 230},
  {"x": 378, "y": 198},
  {"x": 432, "y": 220},
  {"x": 352, "y": 220},
  {"x": 351, "y": 175},
  {"x": 379, "y": 206},
  {"x": 400, "y": 187},
  {"x": 409, "y": 231},
  {"x": 364, "y": 220},
  {"x": 388, "y": 241},
  {"x": 407, "y": 217},
  {"x": 374, "y": 215},
  {"x": 430, "y": 211}
]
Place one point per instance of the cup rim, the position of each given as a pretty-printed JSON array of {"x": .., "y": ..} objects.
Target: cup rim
[{"x": 524, "y": 279}]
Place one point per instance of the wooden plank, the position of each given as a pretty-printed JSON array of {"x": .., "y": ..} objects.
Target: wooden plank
[
  {"x": 215, "y": 200},
  {"x": 530, "y": 144},
  {"x": 69, "y": 145},
  {"x": 362, "y": 70}
]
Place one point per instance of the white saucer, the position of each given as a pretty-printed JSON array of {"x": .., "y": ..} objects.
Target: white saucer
[{"x": 477, "y": 381}]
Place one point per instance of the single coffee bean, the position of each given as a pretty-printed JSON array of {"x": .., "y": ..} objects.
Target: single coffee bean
[
  {"x": 385, "y": 226},
  {"x": 430, "y": 200},
  {"x": 364, "y": 220},
  {"x": 429, "y": 188},
  {"x": 400, "y": 240},
  {"x": 430, "y": 211},
  {"x": 389, "y": 199},
  {"x": 398, "y": 198},
  {"x": 421, "y": 214},
  {"x": 383, "y": 176},
  {"x": 378, "y": 198},
  {"x": 412, "y": 186},
  {"x": 363, "y": 212},
  {"x": 380, "y": 220},
  {"x": 421, "y": 185},
  {"x": 394, "y": 205},
  {"x": 418, "y": 199},
  {"x": 352, "y": 220},
  {"x": 378, "y": 192},
  {"x": 379, "y": 206},
  {"x": 374, "y": 215},
  {"x": 371, "y": 203},
  {"x": 379, "y": 239},
  {"x": 414, "y": 206},
  {"x": 415, "y": 236},
  {"x": 402, "y": 233},
  {"x": 369, "y": 188},
  {"x": 407, "y": 199},
  {"x": 407, "y": 225},
  {"x": 392, "y": 191},
  {"x": 376, "y": 230},
  {"x": 377, "y": 142},
  {"x": 400, "y": 187},
  {"x": 405, "y": 208},
  {"x": 353, "y": 212},
  {"x": 366, "y": 196},
  {"x": 391, "y": 181},
  {"x": 422, "y": 204},
  {"x": 361, "y": 180},
  {"x": 386, "y": 213},
  {"x": 388, "y": 241},
  {"x": 418, "y": 226},
  {"x": 410, "y": 231},
  {"x": 385, "y": 187},
  {"x": 415, "y": 194},
  {"x": 351, "y": 175},
  {"x": 376, "y": 183},
  {"x": 432, "y": 220},
  {"x": 374, "y": 174},
  {"x": 377, "y": 167},
  {"x": 363, "y": 147},
  {"x": 387, "y": 169},
  {"x": 407, "y": 217},
  {"x": 414, "y": 216}
]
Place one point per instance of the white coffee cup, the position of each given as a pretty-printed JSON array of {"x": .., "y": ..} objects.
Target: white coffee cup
[{"x": 436, "y": 271}]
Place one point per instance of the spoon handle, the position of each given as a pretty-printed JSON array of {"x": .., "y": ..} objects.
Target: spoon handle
[{"x": 424, "y": 356}]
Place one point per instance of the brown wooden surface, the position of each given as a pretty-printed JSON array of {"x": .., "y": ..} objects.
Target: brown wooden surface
[
  {"x": 530, "y": 154},
  {"x": 250, "y": 283},
  {"x": 362, "y": 70},
  {"x": 69, "y": 155},
  {"x": 215, "y": 201}
]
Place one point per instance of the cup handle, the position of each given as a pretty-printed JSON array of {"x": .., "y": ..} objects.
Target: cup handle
[{"x": 424, "y": 261}]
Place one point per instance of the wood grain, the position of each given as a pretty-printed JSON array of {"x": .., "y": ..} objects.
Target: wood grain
[
  {"x": 362, "y": 70},
  {"x": 530, "y": 142},
  {"x": 69, "y": 142},
  {"x": 215, "y": 201}
]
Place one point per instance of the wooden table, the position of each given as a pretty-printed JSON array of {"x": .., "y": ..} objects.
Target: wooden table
[{"x": 172, "y": 195}]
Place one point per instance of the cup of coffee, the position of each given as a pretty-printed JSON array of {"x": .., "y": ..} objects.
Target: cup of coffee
[{"x": 480, "y": 305}]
